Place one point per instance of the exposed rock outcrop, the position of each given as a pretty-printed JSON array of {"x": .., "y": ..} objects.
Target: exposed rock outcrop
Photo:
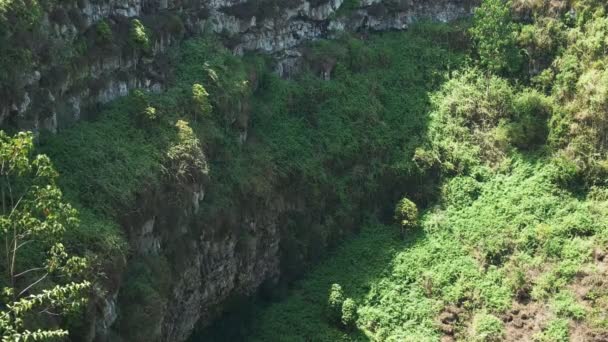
[{"x": 77, "y": 64}]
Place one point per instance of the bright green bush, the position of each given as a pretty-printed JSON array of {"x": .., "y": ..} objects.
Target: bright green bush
[
  {"x": 467, "y": 112},
  {"x": 564, "y": 305},
  {"x": 494, "y": 33},
  {"x": 139, "y": 36},
  {"x": 487, "y": 328},
  {"x": 461, "y": 191},
  {"x": 406, "y": 214},
  {"x": 529, "y": 128},
  {"x": 349, "y": 312},
  {"x": 335, "y": 301},
  {"x": 186, "y": 161},
  {"x": 200, "y": 101},
  {"x": 557, "y": 330},
  {"x": 149, "y": 113}
]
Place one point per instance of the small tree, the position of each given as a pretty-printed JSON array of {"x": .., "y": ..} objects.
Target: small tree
[
  {"x": 334, "y": 302},
  {"x": 200, "y": 101},
  {"x": 406, "y": 213},
  {"x": 38, "y": 277},
  {"x": 349, "y": 313},
  {"x": 139, "y": 36},
  {"x": 495, "y": 36},
  {"x": 144, "y": 112},
  {"x": 149, "y": 113},
  {"x": 186, "y": 160}
]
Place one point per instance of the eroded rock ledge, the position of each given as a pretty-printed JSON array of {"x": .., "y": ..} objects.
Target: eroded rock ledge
[{"x": 75, "y": 66}]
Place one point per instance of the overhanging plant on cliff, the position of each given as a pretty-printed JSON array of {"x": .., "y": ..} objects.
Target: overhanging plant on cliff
[{"x": 40, "y": 281}]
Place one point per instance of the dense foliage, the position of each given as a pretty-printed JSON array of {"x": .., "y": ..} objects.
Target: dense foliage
[
  {"x": 39, "y": 279},
  {"x": 514, "y": 243},
  {"x": 488, "y": 138}
]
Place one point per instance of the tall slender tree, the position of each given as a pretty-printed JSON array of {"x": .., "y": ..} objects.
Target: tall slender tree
[{"x": 39, "y": 280}]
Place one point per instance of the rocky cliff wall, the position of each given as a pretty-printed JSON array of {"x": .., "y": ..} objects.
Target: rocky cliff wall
[{"x": 83, "y": 53}]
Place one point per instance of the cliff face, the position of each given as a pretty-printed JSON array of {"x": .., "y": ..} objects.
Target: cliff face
[
  {"x": 211, "y": 259},
  {"x": 84, "y": 53},
  {"x": 89, "y": 52}
]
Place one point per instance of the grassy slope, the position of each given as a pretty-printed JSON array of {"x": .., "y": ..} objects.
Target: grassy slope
[{"x": 402, "y": 286}]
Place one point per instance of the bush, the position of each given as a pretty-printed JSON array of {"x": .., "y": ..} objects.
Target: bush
[
  {"x": 531, "y": 111},
  {"x": 461, "y": 191},
  {"x": 465, "y": 123},
  {"x": 487, "y": 328},
  {"x": 139, "y": 36},
  {"x": 334, "y": 302},
  {"x": 103, "y": 33},
  {"x": 564, "y": 171},
  {"x": 494, "y": 33},
  {"x": 200, "y": 101},
  {"x": 149, "y": 113},
  {"x": 144, "y": 112},
  {"x": 564, "y": 305},
  {"x": 186, "y": 161},
  {"x": 349, "y": 313},
  {"x": 406, "y": 213},
  {"x": 556, "y": 330}
]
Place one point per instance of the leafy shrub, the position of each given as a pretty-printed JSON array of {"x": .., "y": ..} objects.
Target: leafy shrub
[
  {"x": 564, "y": 171},
  {"x": 406, "y": 213},
  {"x": 103, "y": 33},
  {"x": 461, "y": 191},
  {"x": 468, "y": 110},
  {"x": 557, "y": 330},
  {"x": 186, "y": 161},
  {"x": 335, "y": 301},
  {"x": 541, "y": 41},
  {"x": 200, "y": 101},
  {"x": 564, "y": 305},
  {"x": 529, "y": 127},
  {"x": 149, "y": 113},
  {"x": 349, "y": 312},
  {"x": 139, "y": 36},
  {"x": 487, "y": 328},
  {"x": 557, "y": 278},
  {"x": 144, "y": 112},
  {"x": 494, "y": 33}
]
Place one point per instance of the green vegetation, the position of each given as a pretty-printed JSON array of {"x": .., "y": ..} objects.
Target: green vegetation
[
  {"x": 200, "y": 99},
  {"x": 139, "y": 36},
  {"x": 309, "y": 135},
  {"x": 491, "y": 158},
  {"x": 513, "y": 230},
  {"x": 406, "y": 214},
  {"x": 495, "y": 34},
  {"x": 39, "y": 279},
  {"x": 349, "y": 312},
  {"x": 335, "y": 302},
  {"x": 104, "y": 33},
  {"x": 512, "y": 241},
  {"x": 487, "y": 328}
]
